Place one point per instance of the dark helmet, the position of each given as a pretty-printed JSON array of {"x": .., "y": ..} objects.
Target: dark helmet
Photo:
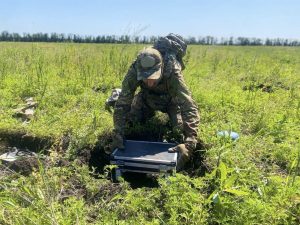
[{"x": 172, "y": 43}]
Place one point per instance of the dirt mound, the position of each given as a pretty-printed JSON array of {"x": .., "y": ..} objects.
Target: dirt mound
[
  {"x": 16, "y": 160},
  {"x": 74, "y": 187},
  {"x": 24, "y": 166}
]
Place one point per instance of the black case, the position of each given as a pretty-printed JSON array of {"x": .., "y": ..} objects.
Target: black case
[{"x": 144, "y": 157}]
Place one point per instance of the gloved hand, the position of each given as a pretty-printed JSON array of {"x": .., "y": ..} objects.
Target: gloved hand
[
  {"x": 117, "y": 142},
  {"x": 184, "y": 154}
]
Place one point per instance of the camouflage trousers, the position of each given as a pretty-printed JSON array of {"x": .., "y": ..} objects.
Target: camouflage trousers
[{"x": 144, "y": 106}]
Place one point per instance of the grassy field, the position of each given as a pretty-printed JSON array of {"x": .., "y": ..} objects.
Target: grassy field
[{"x": 254, "y": 91}]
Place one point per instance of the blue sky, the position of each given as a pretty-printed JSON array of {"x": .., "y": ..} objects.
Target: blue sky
[{"x": 220, "y": 18}]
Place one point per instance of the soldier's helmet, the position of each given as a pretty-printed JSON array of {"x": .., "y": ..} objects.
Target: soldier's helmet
[{"x": 149, "y": 64}]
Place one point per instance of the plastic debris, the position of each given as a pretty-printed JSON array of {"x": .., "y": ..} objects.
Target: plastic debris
[
  {"x": 216, "y": 198},
  {"x": 233, "y": 135},
  {"x": 26, "y": 112},
  {"x": 15, "y": 154}
]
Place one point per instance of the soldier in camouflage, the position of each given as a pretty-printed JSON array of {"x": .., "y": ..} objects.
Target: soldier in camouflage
[{"x": 157, "y": 71}]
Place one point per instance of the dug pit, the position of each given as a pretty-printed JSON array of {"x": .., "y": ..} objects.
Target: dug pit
[{"x": 95, "y": 157}]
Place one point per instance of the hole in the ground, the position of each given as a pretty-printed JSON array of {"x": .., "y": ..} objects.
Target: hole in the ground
[
  {"x": 139, "y": 180},
  {"x": 96, "y": 157},
  {"x": 25, "y": 141},
  {"x": 19, "y": 150}
]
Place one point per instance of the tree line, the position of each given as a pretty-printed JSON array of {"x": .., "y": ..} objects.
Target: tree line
[{"x": 127, "y": 39}]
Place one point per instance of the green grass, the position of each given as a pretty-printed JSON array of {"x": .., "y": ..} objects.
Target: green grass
[{"x": 254, "y": 91}]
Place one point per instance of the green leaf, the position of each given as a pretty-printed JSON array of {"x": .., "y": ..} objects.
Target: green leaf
[
  {"x": 212, "y": 174},
  {"x": 9, "y": 203},
  {"x": 116, "y": 197},
  {"x": 236, "y": 192},
  {"x": 27, "y": 191},
  {"x": 230, "y": 181},
  {"x": 40, "y": 193},
  {"x": 223, "y": 172}
]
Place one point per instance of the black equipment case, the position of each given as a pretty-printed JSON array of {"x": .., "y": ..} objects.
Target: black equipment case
[{"x": 144, "y": 157}]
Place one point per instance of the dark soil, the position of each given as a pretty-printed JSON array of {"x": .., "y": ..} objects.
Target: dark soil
[
  {"x": 102, "y": 88},
  {"x": 269, "y": 88},
  {"x": 23, "y": 140},
  {"x": 139, "y": 180},
  {"x": 262, "y": 87},
  {"x": 73, "y": 187},
  {"x": 3, "y": 146},
  {"x": 5, "y": 172},
  {"x": 24, "y": 166}
]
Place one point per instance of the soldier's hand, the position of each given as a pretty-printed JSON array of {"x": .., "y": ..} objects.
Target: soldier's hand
[
  {"x": 179, "y": 148},
  {"x": 118, "y": 142},
  {"x": 184, "y": 154}
]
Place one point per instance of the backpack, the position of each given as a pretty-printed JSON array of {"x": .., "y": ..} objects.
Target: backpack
[{"x": 172, "y": 44}]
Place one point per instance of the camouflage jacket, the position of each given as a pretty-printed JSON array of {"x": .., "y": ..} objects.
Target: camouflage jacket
[{"x": 171, "y": 88}]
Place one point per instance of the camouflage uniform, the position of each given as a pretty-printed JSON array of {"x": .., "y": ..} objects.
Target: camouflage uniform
[{"x": 170, "y": 96}]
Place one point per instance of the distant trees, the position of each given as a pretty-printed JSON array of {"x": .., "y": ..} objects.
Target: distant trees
[
  {"x": 242, "y": 41},
  {"x": 205, "y": 40}
]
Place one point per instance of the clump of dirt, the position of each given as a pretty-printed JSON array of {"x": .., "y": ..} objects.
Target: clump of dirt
[
  {"x": 60, "y": 162},
  {"x": 269, "y": 88},
  {"x": 73, "y": 188},
  {"x": 262, "y": 87},
  {"x": 24, "y": 161},
  {"x": 5, "y": 171},
  {"x": 156, "y": 128},
  {"x": 98, "y": 158},
  {"x": 84, "y": 156},
  {"x": 24, "y": 166},
  {"x": 95, "y": 158},
  {"x": 103, "y": 88},
  {"x": 64, "y": 142}
]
